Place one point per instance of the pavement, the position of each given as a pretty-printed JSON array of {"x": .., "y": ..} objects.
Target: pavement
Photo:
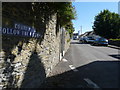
[{"x": 112, "y": 46}]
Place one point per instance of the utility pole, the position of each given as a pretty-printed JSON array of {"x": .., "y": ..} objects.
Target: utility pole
[{"x": 81, "y": 29}]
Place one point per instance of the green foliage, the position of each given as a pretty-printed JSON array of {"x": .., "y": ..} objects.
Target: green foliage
[
  {"x": 115, "y": 39},
  {"x": 68, "y": 40},
  {"x": 65, "y": 14},
  {"x": 69, "y": 27},
  {"x": 107, "y": 24}
]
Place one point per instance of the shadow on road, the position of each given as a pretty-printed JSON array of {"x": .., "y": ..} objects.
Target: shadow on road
[
  {"x": 104, "y": 73},
  {"x": 78, "y": 43},
  {"x": 116, "y": 56},
  {"x": 74, "y": 43}
]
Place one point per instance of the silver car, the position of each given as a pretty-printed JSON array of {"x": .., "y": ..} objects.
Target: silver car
[{"x": 90, "y": 40}]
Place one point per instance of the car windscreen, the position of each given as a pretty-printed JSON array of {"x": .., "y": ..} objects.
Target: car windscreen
[{"x": 102, "y": 39}]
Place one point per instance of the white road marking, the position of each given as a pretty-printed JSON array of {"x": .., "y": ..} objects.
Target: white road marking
[
  {"x": 64, "y": 60},
  {"x": 73, "y": 68},
  {"x": 91, "y": 83}
]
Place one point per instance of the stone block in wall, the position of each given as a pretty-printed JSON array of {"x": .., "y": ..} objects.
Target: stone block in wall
[{"x": 15, "y": 51}]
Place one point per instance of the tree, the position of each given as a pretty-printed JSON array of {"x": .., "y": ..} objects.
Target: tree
[
  {"x": 69, "y": 27},
  {"x": 107, "y": 24},
  {"x": 65, "y": 14}
]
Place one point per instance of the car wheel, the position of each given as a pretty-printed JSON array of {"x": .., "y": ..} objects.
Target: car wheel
[{"x": 92, "y": 44}]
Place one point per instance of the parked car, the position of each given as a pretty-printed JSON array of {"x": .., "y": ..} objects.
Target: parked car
[
  {"x": 90, "y": 39},
  {"x": 82, "y": 39},
  {"x": 101, "y": 41}
]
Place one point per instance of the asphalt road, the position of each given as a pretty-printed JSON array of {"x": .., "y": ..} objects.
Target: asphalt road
[
  {"x": 86, "y": 66},
  {"x": 81, "y": 54}
]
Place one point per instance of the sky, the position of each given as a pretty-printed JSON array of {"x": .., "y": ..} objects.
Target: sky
[{"x": 86, "y": 11}]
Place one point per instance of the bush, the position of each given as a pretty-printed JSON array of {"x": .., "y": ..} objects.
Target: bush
[
  {"x": 114, "y": 39},
  {"x": 68, "y": 40}
]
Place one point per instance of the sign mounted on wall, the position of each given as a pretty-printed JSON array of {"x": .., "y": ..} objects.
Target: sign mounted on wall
[{"x": 20, "y": 30}]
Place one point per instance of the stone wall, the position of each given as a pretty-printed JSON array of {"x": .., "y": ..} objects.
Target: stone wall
[{"x": 26, "y": 62}]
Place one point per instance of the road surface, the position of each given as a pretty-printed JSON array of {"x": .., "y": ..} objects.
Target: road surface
[{"x": 86, "y": 66}]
